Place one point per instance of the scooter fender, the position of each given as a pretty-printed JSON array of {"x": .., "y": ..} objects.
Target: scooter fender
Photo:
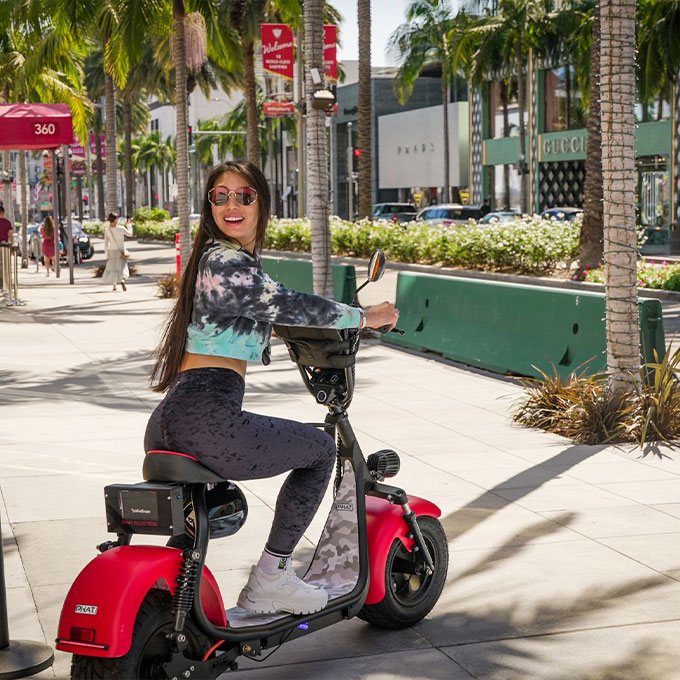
[
  {"x": 106, "y": 596},
  {"x": 385, "y": 522}
]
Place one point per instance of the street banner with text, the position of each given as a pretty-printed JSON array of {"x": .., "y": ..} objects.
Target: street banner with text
[
  {"x": 277, "y": 50},
  {"x": 330, "y": 52}
]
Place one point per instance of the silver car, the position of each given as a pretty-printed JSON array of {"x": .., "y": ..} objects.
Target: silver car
[{"x": 449, "y": 213}]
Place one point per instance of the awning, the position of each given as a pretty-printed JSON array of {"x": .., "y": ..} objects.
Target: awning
[{"x": 35, "y": 126}]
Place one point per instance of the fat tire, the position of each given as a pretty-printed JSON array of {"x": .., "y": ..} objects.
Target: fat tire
[
  {"x": 154, "y": 612},
  {"x": 392, "y": 612}
]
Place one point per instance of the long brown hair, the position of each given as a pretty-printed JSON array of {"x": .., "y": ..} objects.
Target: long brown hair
[
  {"x": 48, "y": 227},
  {"x": 171, "y": 349}
]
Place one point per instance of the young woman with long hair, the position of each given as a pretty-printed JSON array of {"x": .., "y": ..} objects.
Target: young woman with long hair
[{"x": 222, "y": 320}]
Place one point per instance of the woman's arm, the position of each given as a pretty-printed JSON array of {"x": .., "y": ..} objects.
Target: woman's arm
[{"x": 126, "y": 230}]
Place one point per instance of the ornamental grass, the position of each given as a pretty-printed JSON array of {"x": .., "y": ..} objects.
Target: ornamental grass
[{"x": 583, "y": 408}]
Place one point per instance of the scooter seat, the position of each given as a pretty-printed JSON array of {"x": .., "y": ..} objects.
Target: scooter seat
[{"x": 172, "y": 466}]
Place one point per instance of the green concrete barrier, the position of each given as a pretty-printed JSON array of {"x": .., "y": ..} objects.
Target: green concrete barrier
[
  {"x": 297, "y": 275},
  {"x": 510, "y": 328}
]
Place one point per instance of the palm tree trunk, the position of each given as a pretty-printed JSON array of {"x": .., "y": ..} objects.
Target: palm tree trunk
[
  {"x": 365, "y": 111},
  {"x": 101, "y": 205},
  {"x": 129, "y": 186},
  {"x": 111, "y": 160},
  {"x": 182, "y": 141},
  {"x": 445, "y": 105},
  {"x": 617, "y": 95},
  {"x": 254, "y": 153},
  {"x": 317, "y": 162},
  {"x": 23, "y": 173},
  {"x": 590, "y": 245},
  {"x": 521, "y": 89}
]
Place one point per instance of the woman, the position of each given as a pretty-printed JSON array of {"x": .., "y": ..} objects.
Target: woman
[
  {"x": 223, "y": 319},
  {"x": 116, "y": 270},
  {"x": 48, "y": 247}
]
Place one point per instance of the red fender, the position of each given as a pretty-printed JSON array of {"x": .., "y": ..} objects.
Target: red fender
[
  {"x": 109, "y": 591},
  {"x": 385, "y": 522}
]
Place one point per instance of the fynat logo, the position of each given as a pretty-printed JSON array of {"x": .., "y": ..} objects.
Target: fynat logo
[
  {"x": 344, "y": 507},
  {"x": 277, "y": 32},
  {"x": 86, "y": 609}
]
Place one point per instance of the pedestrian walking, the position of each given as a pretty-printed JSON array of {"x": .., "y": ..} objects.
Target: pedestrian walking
[
  {"x": 48, "y": 244},
  {"x": 116, "y": 270}
]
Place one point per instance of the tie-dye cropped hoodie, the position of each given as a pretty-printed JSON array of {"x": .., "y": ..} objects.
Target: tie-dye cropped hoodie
[{"x": 236, "y": 303}]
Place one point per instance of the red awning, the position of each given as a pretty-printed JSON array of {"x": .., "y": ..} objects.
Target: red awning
[{"x": 35, "y": 126}]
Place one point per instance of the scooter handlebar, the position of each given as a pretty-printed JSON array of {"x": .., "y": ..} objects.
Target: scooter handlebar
[{"x": 386, "y": 329}]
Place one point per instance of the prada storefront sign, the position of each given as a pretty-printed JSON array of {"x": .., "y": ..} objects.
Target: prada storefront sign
[{"x": 563, "y": 146}]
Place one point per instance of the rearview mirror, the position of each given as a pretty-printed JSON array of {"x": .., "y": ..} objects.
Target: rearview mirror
[{"x": 376, "y": 265}]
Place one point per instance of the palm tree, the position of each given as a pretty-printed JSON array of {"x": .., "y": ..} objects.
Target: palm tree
[
  {"x": 317, "y": 161},
  {"x": 365, "y": 111},
  {"x": 617, "y": 94},
  {"x": 41, "y": 63},
  {"x": 428, "y": 23}
]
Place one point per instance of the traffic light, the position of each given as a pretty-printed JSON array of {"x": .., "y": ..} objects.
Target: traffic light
[
  {"x": 189, "y": 133},
  {"x": 86, "y": 198},
  {"x": 355, "y": 160}
]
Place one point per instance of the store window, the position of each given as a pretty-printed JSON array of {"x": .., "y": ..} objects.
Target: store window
[
  {"x": 653, "y": 192},
  {"x": 563, "y": 101},
  {"x": 504, "y": 182},
  {"x": 504, "y": 109}
]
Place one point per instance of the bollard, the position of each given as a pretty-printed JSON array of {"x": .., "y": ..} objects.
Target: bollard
[
  {"x": 10, "y": 275},
  {"x": 18, "y": 658},
  {"x": 179, "y": 259}
]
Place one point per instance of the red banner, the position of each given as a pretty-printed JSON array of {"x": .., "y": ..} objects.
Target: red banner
[
  {"x": 330, "y": 52},
  {"x": 78, "y": 159},
  {"x": 277, "y": 50},
  {"x": 278, "y": 109},
  {"x": 93, "y": 145}
]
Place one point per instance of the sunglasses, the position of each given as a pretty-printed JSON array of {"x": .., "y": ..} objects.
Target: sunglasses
[{"x": 244, "y": 196}]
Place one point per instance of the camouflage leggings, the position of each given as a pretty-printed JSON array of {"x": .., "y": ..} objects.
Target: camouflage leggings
[{"x": 201, "y": 415}]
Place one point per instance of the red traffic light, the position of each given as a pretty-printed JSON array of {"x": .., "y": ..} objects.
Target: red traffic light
[
  {"x": 86, "y": 199},
  {"x": 50, "y": 197},
  {"x": 357, "y": 153}
]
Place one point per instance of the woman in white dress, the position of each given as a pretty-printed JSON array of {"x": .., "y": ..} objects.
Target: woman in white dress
[{"x": 116, "y": 270}]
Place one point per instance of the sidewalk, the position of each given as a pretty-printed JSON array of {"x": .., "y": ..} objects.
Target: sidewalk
[{"x": 564, "y": 559}]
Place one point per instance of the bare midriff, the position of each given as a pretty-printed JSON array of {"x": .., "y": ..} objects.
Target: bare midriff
[{"x": 190, "y": 361}]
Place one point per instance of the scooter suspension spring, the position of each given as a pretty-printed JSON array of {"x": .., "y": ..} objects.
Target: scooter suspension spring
[{"x": 186, "y": 581}]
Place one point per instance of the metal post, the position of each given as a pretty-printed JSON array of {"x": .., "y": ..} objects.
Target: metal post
[
  {"x": 18, "y": 658},
  {"x": 69, "y": 227},
  {"x": 55, "y": 214},
  {"x": 300, "y": 132},
  {"x": 350, "y": 183}
]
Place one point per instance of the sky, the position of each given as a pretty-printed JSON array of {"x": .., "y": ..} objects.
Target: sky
[{"x": 386, "y": 15}]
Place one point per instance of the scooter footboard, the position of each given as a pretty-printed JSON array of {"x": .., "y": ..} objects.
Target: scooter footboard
[
  {"x": 385, "y": 522},
  {"x": 99, "y": 612}
]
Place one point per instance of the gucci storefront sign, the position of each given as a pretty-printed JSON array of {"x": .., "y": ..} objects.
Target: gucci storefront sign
[{"x": 570, "y": 145}]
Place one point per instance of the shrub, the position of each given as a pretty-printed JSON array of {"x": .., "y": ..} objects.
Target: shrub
[
  {"x": 168, "y": 286},
  {"x": 583, "y": 408},
  {"x": 147, "y": 214},
  {"x": 665, "y": 276}
]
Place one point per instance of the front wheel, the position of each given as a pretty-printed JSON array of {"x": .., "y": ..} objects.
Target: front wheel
[
  {"x": 410, "y": 592},
  {"x": 150, "y": 648}
]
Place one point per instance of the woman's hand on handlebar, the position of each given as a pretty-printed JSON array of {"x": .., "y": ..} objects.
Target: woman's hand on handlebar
[{"x": 383, "y": 314}]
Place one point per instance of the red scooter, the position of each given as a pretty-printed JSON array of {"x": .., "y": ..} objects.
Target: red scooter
[{"x": 156, "y": 612}]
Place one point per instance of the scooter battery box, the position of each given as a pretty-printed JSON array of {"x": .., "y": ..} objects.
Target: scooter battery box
[{"x": 145, "y": 508}]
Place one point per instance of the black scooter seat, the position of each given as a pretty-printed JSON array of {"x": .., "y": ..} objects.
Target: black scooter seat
[{"x": 173, "y": 466}]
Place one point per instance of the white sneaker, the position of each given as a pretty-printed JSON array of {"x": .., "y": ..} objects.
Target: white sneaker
[{"x": 284, "y": 591}]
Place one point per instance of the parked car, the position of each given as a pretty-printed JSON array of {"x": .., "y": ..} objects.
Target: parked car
[
  {"x": 562, "y": 214},
  {"x": 449, "y": 213},
  {"x": 397, "y": 212},
  {"x": 82, "y": 246},
  {"x": 33, "y": 231},
  {"x": 500, "y": 216}
]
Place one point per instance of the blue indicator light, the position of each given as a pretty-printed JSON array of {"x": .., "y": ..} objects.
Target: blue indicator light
[{"x": 303, "y": 626}]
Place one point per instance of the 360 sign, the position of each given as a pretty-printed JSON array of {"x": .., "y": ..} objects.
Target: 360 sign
[{"x": 44, "y": 128}]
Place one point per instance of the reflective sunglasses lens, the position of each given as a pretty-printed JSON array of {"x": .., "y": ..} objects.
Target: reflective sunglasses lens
[
  {"x": 246, "y": 196},
  {"x": 218, "y": 196}
]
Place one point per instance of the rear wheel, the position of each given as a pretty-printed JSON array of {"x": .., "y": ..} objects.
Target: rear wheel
[
  {"x": 150, "y": 648},
  {"x": 410, "y": 592}
]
